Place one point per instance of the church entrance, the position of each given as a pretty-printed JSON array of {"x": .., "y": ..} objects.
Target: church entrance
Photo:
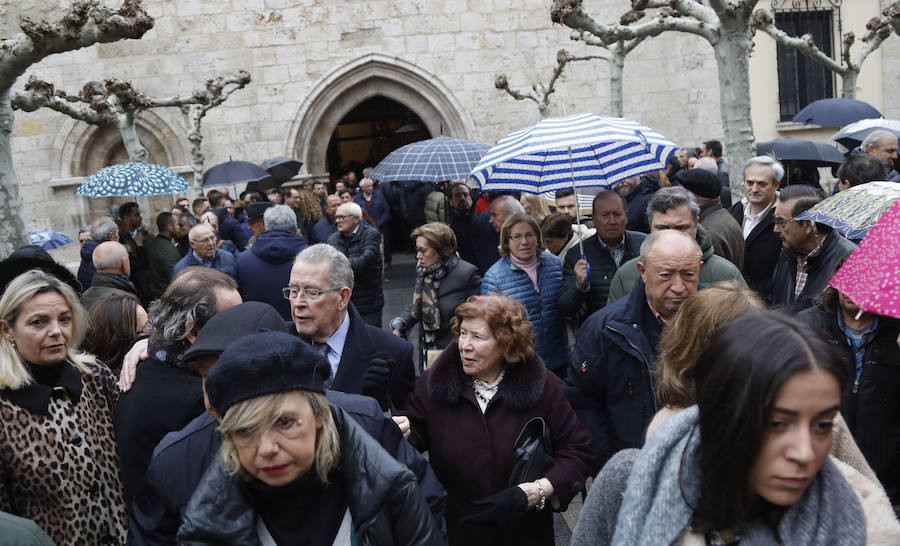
[{"x": 368, "y": 133}]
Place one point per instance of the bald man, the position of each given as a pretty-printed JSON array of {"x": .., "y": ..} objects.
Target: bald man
[
  {"x": 113, "y": 268},
  {"x": 610, "y": 380}
]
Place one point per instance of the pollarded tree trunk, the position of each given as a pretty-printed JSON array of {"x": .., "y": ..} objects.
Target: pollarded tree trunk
[
  {"x": 13, "y": 232},
  {"x": 733, "y": 61},
  {"x": 127, "y": 125},
  {"x": 616, "y": 83}
]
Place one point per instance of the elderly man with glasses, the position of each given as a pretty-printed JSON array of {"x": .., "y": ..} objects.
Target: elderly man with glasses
[
  {"x": 361, "y": 244},
  {"x": 364, "y": 359},
  {"x": 205, "y": 252}
]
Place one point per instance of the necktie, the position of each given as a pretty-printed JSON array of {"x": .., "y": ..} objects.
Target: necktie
[{"x": 323, "y": 348}]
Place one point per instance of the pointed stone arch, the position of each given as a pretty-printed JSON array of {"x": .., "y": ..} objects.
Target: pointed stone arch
[{"x": 339, "y": 91}]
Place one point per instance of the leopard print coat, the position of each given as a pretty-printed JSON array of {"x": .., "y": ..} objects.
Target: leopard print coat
[{"x": 61, "y": 469}]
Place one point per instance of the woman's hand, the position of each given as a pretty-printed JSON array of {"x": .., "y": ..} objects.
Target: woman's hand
[
  {"x": 130, "y": 362},
  {"x": 533, "y": 491},
  {"x": 397, "y": 333},
  {"x": 403, "y": 423}
]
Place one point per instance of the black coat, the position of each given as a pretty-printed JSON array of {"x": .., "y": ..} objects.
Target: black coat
[
  {"x": 476, "y": 238},
  {"x": 182, "y": 457},
  {"x": 265, "y": 268},
  {"x": 322, "y": 230},
  {"x": 636, "y": 205},
  {"x": 106, "y": 284},
  {"x": 385, "y": 503},
  {"x": 363, "y": 249},
  {"x": 86, "y": 270},
  {"x": 819, "y": 269},
  {"x": 454, "y": 288},
  {"x": 163, "y": 399},
  {"x": 365, "y": 342},
  {"x": 611, "y": 377},
  {"x": 603, "y": 267},
  {"x": 761, "y": 249},
  {"x": 230, "y": 229},
  {"x": 873, "y": 411}
]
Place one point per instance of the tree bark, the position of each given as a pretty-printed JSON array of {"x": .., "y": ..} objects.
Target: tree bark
[
  {"x": 84, "y": 24},
  {"x": 616, "y": 83}
]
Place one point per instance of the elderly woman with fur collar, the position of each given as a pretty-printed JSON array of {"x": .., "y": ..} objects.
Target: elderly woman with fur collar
[{"x": 467, "y": 412}]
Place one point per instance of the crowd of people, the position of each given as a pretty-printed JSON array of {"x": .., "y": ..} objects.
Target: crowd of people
[{"x": 232, "y": 379}]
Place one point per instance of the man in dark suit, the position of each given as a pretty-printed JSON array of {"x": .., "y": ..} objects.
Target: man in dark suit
[
  {"x": 762, "y": 177},
  {"x": 363, "y": 359}
]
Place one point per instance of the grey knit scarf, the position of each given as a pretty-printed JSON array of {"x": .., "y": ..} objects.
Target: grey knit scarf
[{"x": 653, "y": 510}]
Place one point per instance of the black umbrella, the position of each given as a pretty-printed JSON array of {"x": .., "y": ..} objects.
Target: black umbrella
[
  {"x": 234, "y": 172},
  {"x": 282, "y": 169},
  {"x": 836, "y": 112},
  {"x": 797, "y": 149}
]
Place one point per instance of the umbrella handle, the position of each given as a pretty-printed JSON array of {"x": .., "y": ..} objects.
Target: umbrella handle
[{"x": 587, "y": 266}]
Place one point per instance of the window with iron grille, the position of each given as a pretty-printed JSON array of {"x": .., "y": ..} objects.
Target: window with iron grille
[{"x": 800, "y": 79}]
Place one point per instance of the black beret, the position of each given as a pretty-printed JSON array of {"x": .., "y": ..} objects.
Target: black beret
[
  {"x": 700, "y": 181},
  {"x": 266, "y": 363},
  {"x": 34, "y": 257},
  {"x": 255, "y": 211},
  {"x": 224, "y": 328}
]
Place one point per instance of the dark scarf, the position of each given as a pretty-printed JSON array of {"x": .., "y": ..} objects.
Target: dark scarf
[
  {"x": 171, "y": 355},
  {"x": 305, "y": 511},
  {"x": 53, "y": 381},
  {"x": 425, "y": 298}
]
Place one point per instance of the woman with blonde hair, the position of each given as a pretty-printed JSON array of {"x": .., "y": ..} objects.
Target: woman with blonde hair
[
  {"x": 293, "y": 469},
  {"x": 58, "y": 464},
  {"x": 536, "y": 205}
]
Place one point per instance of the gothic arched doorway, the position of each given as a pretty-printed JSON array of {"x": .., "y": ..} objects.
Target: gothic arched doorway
[{"x": 368, "y": 133}]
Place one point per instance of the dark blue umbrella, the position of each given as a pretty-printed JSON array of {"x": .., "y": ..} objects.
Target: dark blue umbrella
[
  {"x": 798, "y": 149},
  {"x": 138, "y": 179},
  {"x": 433, "y": 160},
  {"x": 48, "y": 240},
  {"x": 835, "y": 112},
  {"x": 282, "y": 169},
  {"x": 234, "y": 172}
]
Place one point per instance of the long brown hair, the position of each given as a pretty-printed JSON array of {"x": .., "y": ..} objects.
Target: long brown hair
[
  {"x": 687, "y": 335},
  {"x": 113, "y": 328}
]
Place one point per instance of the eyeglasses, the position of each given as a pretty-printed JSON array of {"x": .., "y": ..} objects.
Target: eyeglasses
[
  {"x": 340, "y": 217},
  {"x": 781, "y": 221},
  {"x": 285, "y": 427},
  {"x": 309, "y": 294},
  {"x": 206, "y": 240},
  {"x": 518, "y": 236}
]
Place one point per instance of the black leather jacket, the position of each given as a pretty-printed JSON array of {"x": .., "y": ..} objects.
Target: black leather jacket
[
  {"x": 363, "y": 249},
  {"x": 819, "y": 270},
  {"x": 384, "y": 501}
]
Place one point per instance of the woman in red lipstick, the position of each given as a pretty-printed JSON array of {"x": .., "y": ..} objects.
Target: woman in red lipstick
[
  {"x": 749, "y": 464},
  {"x": 58, "y": 463}
]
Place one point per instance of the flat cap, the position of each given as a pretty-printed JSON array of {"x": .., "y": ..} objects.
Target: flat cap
[
  {"x": 700, "y": 182},
  {"x": 266, "y": 363},
  {"x": 257, "y": 210}
]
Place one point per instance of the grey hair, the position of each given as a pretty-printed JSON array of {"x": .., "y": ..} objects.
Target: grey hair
[
  {"x": 765, "y": 161},
  {"x": 280, "y": 217},
  {"x": 690, "y": 151},
  {"x": 353, "y": 208},
  {"x": 666, "y": 199},
  {"x": 340, "y": 274},
  {"x": 651, "y": 240},
  {"x": 199, "y": 227},
  {"x": 102, "y": 228},
  {"x": 84, "y": 229},
  {"x": 875, "y": 138},
  {"x": 189, "y": 302},
  {"x": 707, "y": 164},
  {"x": 510, "y": 205}
]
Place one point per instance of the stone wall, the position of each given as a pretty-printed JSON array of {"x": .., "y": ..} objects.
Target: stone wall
[{"x": 291, "y": 45}]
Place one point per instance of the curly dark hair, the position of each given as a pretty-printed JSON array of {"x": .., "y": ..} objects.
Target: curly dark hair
[{"x": 508, "y": 320}]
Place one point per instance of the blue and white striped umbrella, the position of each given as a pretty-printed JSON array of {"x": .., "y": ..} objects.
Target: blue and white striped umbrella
[
  {"x": 604, "y": 151},
  {"x": 433, "y": 160},
  {"x": 138, "y": 179}
]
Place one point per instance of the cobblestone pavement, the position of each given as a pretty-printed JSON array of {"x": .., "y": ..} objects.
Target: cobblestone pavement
[{"x": 398, "y": 290}]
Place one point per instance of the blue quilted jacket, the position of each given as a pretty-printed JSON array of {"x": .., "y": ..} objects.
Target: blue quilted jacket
[{"x": 505, "y": 277}]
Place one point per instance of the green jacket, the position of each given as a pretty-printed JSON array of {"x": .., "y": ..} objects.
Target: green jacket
[
  {"x": 162, "y": 256},
  {"x": 16, "y": 531},
  {"x": 715, "y": 269}
]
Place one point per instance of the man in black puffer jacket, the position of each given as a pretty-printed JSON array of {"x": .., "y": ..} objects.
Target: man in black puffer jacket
[{"x": 362, "y": 246}]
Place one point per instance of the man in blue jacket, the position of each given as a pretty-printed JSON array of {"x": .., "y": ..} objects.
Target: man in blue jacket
[
  {"x": 181, "y": 458},
  {"x": 205, "y": 252},
  {"x": 264, "y": 268},
  {"x": 610, "y": 382}
]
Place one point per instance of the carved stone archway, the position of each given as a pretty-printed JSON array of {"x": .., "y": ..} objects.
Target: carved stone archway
[{"x": 375, "y": 74}]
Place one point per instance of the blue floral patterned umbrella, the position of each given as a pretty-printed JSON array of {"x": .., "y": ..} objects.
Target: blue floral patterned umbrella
[{"x": 138, "y": 179}]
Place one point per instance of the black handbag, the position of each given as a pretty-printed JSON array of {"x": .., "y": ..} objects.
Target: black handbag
[{"x": 533, "y": 452}]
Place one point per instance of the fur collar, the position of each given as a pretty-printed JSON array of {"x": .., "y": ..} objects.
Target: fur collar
[{"x": 521, "y": 388}]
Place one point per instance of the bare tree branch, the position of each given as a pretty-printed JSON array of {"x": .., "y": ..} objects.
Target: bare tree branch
[
  {"x": 540, "y": 93},
  {"x": 572, "y": 14}
]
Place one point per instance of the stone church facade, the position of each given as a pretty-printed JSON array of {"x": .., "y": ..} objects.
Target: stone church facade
[{"x": 313, "y": 61}]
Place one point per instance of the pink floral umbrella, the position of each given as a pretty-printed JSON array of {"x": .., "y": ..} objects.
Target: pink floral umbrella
[{"x": 871, "y": 276}]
